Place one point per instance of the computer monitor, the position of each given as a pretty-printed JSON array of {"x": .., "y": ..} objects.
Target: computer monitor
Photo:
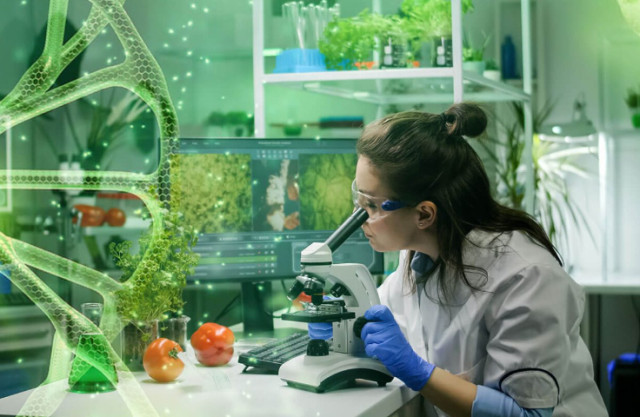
[{"x": 258, "y": 203}]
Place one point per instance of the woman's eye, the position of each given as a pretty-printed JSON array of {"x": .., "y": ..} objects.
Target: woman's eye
[{"x": 371, "y": 205}]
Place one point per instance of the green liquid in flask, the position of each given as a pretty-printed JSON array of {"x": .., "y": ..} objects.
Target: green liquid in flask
[{"x": 85, "y": 378}]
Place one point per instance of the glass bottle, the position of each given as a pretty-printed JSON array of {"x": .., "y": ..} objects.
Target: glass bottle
[{"x": 175, "y": 328}]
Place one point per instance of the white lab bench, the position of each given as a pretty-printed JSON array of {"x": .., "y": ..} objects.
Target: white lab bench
[
  {"x": 227, "y": 391},
  {"x": 595, "y": 288}
]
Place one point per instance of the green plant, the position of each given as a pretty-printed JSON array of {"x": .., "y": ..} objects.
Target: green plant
[
  {"x": 491, "y": 65},
  {"x": 346, "y": 41},
  {"x": 469, "y": 53},
  {"x": 158, "y": 289},
  {"x": 242, "y": 123},
  {"x": 430, "y": 18},
  {"x": 632, "y": 99},
  {"x": 555, "y": 207},
  {"x": 109, "y": 120}
]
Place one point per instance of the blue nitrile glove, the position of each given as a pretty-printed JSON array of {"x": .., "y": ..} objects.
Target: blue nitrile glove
[
  {"x": 323, "y": 330},
  {"x": 384, "y": 340},
  {"x": 320, "y": 330}
]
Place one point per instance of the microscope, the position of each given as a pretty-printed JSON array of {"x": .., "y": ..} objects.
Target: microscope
[{"x": 322, "y": 368}]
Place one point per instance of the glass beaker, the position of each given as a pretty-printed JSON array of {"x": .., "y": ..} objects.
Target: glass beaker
[
  {"x": 136, "y": 338},
  {"x": 93, "y": 311},
  {"x": 85, "y": 378},
  {"x": 175, "y": 328}
]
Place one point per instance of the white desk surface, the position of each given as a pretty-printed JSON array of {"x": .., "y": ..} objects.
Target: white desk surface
[{"x": 243, "y": 394}]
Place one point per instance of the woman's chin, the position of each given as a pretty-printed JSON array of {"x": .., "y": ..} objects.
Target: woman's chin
[{"x": 375, "y": 246}]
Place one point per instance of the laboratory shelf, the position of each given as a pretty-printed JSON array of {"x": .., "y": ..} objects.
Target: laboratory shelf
[
  {"x": 132, "y": 226},
  {"x": 382, "y": 87},
  {"x": 385, "y": 87},
  {"x": 372, "y": 74}
]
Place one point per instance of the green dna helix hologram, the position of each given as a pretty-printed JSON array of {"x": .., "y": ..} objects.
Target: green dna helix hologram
[{"x": 33, "y": 95}]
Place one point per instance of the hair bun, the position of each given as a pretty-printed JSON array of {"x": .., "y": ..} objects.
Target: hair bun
[{"x": 466, "y": 119}]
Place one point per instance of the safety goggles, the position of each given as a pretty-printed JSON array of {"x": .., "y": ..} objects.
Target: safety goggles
[{"x": 376, "y": 207}]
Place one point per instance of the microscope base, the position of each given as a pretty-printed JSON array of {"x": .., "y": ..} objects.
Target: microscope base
[{"x": 332, "y": 372}]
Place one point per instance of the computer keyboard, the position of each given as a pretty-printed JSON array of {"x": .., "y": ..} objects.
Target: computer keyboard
[{"x": 271, "y": 355}]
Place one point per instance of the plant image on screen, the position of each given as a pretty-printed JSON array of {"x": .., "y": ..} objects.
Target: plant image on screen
[
  {"x": 325, "y": 190},
  {"x": 214, "y": 191}
]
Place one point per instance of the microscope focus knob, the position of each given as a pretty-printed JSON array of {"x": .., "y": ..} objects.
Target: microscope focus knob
[
  {"x": 358, "y": 325},
  {"x": 317, "y": 347},
  {"x": 339, "y": 290}
]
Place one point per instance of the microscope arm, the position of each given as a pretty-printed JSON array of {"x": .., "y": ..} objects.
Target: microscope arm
[{"x": 359, "y": 292}]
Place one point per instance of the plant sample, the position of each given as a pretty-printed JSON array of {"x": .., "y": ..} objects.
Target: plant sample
[
  {"x": 213, "y": 191},
  {"x": 389, "y": 29},
  {"x": 158, "y": 289},
  {"x": 555, "y": 207},
  {"x": 430, "y": 18},
  {"x": 325, "y": 184},
  {"x": 346, "y": 41}
]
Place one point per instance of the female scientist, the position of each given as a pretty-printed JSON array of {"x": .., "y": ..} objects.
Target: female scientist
[{"x": 479, "y": 317}]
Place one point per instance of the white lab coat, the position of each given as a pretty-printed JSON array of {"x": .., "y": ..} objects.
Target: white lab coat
[{"x": 520, "y": 334}]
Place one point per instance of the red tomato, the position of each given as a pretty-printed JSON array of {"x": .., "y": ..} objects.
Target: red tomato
[
  {"x": 161, "y": 360},
  {"x": 213, "y": 344},
  {"x": 301, "y": 298},
  {"x": 91, "y": 215},
  {"x": 115, "y": 217}
]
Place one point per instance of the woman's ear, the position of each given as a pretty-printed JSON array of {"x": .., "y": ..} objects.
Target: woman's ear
[{"x": 427, "y": 213}]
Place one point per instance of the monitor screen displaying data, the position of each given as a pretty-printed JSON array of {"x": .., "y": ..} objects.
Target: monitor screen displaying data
[{"x": 259, "y": 202}]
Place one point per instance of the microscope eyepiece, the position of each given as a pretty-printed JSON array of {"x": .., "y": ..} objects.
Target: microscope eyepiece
[{"x": 347, "y": 228}]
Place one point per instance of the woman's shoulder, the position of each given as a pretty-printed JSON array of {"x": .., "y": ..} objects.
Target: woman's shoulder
[
  {"x": 508, "y": 254},
  {"x": 516, "y": 244}
]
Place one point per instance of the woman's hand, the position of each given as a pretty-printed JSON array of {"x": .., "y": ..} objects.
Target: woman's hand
[{"x": 384, "y": 340}]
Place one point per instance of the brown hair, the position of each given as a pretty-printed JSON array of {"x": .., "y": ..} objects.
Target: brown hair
[{"x": 424, "y": 156}]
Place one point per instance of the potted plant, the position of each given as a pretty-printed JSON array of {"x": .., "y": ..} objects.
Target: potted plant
[
  {"x": 491, "y": 70},
  {"x": 347, "y": 41},
  {"x": 556, "y": 209},
  {"x": 394, "y": 36},
  {"x": 159, "y": 292},
  {"x": 430, "y": 21},
  {"x": 632, "y": 99},
  {"x": 473, "y": 58}
]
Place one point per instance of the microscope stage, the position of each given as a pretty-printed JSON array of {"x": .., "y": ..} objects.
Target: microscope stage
[{"x": 332, "y": 372}]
